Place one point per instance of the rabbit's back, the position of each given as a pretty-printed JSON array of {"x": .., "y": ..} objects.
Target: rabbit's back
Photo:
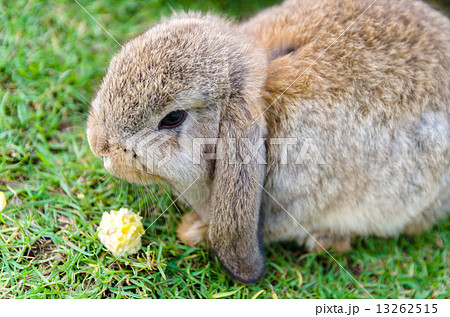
[
  {"x": 368, "y": 83},
  {"x": 391, "y": 56}
]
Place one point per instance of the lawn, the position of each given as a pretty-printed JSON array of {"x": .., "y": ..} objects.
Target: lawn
[{"x": 53, "y": 55}]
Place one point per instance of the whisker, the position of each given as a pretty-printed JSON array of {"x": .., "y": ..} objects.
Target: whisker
[
  {"x": 173, "y": 202},
  {"x": 148, "y": 193}
]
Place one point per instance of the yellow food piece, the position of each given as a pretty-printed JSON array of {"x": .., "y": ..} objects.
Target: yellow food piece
[
  {"x": 3, "y": 201},
  {"x": 121, "y": 231}
]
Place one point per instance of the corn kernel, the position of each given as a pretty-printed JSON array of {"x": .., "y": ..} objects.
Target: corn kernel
[
  {"x": 121, "y": 231},
  {"x": 3, "y": 201}
]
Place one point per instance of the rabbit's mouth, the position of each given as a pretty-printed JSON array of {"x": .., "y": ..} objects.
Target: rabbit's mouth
[{"x": 135, "y": 173}]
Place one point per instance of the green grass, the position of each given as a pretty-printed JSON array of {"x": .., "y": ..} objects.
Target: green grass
[{"x": 52, "y": 58}]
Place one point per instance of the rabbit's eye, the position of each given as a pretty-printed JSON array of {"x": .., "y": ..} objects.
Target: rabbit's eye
[{"x": 173, "y": 119}]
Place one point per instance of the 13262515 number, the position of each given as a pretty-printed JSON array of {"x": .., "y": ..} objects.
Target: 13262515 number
[{"x": 407, "y": 308}]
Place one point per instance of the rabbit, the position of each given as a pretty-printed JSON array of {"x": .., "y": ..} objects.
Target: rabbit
[{"x": 314, "y": 121}]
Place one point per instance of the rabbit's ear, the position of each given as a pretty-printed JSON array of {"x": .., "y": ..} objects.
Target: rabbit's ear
[{"x": 234, "y": 229}]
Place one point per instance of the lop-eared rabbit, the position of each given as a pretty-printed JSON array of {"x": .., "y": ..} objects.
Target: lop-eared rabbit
[{"x": 315, "y": 121}]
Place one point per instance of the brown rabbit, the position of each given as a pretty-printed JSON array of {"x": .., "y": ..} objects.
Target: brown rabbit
[{"x": 315, "y": 121}]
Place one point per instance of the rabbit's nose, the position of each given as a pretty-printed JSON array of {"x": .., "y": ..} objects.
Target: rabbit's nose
[
  {"x": 103, "y": 148},
  {"x": 98, "y": 141}
]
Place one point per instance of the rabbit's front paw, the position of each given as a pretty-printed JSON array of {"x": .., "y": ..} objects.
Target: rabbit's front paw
[
  {"x": 192, "y": 229},
  {"x": 326, "y": 242}
]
